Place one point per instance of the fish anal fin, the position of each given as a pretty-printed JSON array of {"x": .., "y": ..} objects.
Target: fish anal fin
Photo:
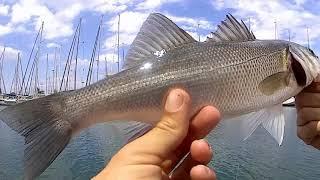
[
  {"x": 272, "y": 119},
  {"x": 131, "y": 130},
  {"x": 275, "y": 123}
]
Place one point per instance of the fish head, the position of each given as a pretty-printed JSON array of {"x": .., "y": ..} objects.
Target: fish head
[
  {"x": 299, "y": 66},
  {"x": 303, "y": 63}
]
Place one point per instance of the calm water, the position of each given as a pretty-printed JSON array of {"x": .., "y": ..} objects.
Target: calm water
[{"x": 257, "y": 158}]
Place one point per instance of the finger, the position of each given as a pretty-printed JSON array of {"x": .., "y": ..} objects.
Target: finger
[
  {"x": 202, "y": 172},
  {"x": 170, "y": 131},
  {"x": 314, "y": 87},
  {"x": 309, "y": 131},
  {"x": 201, "y": 151},
  {"x": 307, "y": 114},
  {"x": 316, "y": 142},
  {"x": 204, "y": 122},
  {"x": 201, "y": 125},
  {"x": 307, "y": 99}
]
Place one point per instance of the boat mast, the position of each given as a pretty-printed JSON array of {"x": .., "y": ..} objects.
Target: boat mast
[
  {"x": 67, "y": 67},
  {"x": 118, "y": 43},
  {"x": 98, "y": 69},
  {"x": 24, "y": 84},
  {"x": 18, "y": 76},
  {"x": 122, "y": 52},
  {"x": 36, "y": 79},
  {"x": 2, "y": 90},
  {"x": 93, "y": 55},
  {"x": 77, "y": 51},
  {"x": 50, "y": 87},
  {"x": 55, "y": 71},
  {"x": 308, "y": 39},
  {"x": 16, "y": 79},
  {"x": 198, "y": 32},
  {"x": 99, "y": 46},
  {"x": 47, "y": 75},
  {"x": 106, "y": 66},
  {"x": 37, "y": 85},
  {"x": 275, "y": 29}
]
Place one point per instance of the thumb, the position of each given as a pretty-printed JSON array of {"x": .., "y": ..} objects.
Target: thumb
[{"x": 172, "y": 128}]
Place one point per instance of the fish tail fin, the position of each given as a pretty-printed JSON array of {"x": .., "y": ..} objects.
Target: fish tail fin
[{"x": 47, "y": 130}]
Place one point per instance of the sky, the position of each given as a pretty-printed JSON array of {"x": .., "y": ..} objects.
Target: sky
[{"x": 20, "y": 21}]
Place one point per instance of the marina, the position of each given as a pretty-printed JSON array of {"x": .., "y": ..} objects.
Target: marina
[
  {"x": 25, "y": 84},
  {"x": 86, "y": 69}
]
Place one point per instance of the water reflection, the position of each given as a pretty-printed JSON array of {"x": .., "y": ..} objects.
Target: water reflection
[{"x": 257, "y": 158}]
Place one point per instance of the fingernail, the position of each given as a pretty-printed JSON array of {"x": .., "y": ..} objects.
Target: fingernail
[
  {"x": 206, "y": 169},
  {"x": 174, "y": 101},
  {"x": 204, "y": 141}
]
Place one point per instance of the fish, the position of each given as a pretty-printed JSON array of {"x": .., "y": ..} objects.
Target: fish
[{"x": 232, "y": 70}]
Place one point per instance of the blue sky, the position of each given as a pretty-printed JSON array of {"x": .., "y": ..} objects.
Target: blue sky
[{"x": 20, "y": 21}]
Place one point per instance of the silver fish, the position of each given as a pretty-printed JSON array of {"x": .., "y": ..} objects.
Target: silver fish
[{"x": 232, "y": 70}]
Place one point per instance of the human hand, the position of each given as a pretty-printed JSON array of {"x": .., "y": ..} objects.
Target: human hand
[
  {"x": 155, "y": 154},
  {"x": 308, "y": 119}
]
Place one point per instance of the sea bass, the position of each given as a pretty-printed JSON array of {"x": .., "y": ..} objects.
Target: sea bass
[{"x": 231, "y": 70}]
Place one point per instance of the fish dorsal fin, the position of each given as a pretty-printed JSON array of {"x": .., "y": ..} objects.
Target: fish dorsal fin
[
  {"x": 231, "y": 30},
  {"x": 158, "y": 34}
]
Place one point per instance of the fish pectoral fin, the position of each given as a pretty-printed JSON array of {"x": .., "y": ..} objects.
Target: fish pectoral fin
[
  {"x": 130, "y": 130},
  {"x": 157, "y": 35},
  {"x": 272, "y": 119},
  {"x": 273, "y": 83},
  {"x": 231, "y": 30}
]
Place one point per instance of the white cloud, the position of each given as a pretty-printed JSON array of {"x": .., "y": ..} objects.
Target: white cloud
[
  {"x": 4, "y": 9},
  {"x": 300, "y": 2},
  {"x": 5, "y": 29},
  {"x": 192, "y": 22},
  {"x": 58, "y": 24},
  {"x": 194, "y": 26},
  {"x": 153, "y": 4},
  {"x": 195, "y": 35},
  {"x": 10, "y": 53},
  {"x": 52, "y": 45},
  {"x": 130, "y": 23},
  {"x": 59, "y": 15},
  {"x": 110, "y": 57},
  {"x": 110, "y": 6},
  {"x": 102, "y": 6},
  {"x": 288, "y": 15}
]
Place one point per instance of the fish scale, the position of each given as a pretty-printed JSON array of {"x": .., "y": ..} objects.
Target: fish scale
[
  {"x": 245, "y": 78},
  {"x": 237, "y": 78}
]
